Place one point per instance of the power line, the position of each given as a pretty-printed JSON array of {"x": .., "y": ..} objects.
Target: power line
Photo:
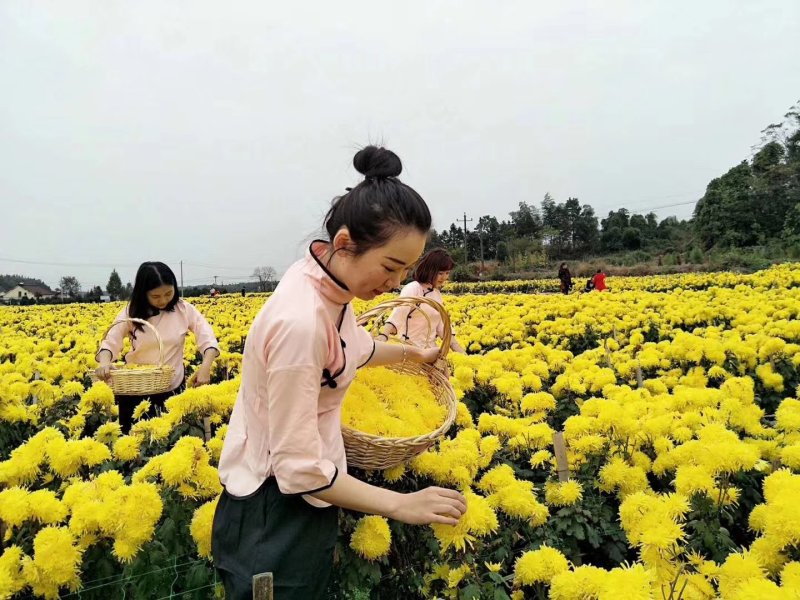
[
  {"x": 209, "y": 278},
  {"x": 643, "y": 209},
  {"x": 671, "y": 205},
  {"x": 106, "y": 265},
  {"x": 66, "y": 264},
  {"x": 202, "y": 266},
  {"x": 666, "y": 196}
]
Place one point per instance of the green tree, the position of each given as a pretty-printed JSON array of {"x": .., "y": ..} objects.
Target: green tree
[
  {"x": 611, "y": 239},
  {"x": 638, "y": 222},
  {"x": 619, "y": 219},
  {"x": 632, "y": 238},
  {"x": 114, "y": 286},
  {"x": 754, "y": 202},
  {"x": 489, "y": 233},
  {"x": 95, "y": 293},
  {"x": 586, "y": 234},
  {"x": 70, "y": 286},
  {"x": 773, "y": 195},
  {"x": 502, "y": 252},
  {"x": 724, "y": 216},
  {"x": 527, "y": 221}
]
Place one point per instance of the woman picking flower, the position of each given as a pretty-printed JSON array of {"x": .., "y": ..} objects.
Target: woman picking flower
[
  {"x": 283, "y": 464},
  {"x": 156, "y": 299}
]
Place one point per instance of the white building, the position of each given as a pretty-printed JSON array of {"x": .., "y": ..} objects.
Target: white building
[{"x": 28, "y": 291}]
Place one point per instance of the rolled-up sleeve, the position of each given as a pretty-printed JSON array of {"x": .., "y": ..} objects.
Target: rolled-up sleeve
[
  {"x": 296, "y": 448},
  {"x": 365, "y": 346},
  {"x": 115, "y": 337},
  {"x": 295, "y": 356},
  {"x": 202, "y": 329}
]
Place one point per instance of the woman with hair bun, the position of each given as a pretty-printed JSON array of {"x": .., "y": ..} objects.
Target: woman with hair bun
[{"x": 283, "y": 465}]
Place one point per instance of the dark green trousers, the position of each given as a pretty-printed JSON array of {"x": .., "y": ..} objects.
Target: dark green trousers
[{"x": 270, "y": 532}]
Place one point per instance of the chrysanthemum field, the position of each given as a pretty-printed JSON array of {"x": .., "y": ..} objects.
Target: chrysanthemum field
[{"x": 676, "y": 396}]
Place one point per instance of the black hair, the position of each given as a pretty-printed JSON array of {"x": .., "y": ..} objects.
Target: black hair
[
  {"x": 380, "y": 205},
  {"x": 431, "y": 264},
  {"x": 150, "y": 276}
]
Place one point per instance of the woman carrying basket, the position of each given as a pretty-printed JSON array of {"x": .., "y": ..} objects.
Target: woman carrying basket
[
  {"x": 155, "y": 298},
  {"x": 421, "y": 325},
  {"x": 283, "y": 464}
]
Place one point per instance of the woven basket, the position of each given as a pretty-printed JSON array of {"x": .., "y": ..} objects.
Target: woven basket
[
  {"x": 145, "y": 380},
  {"x": 367, "y": 451}
]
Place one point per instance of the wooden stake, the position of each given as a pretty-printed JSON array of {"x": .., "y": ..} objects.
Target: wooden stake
[
  {"x": 562, "y": 464},
  {"x": 262, "y": 586},
  {"x": 36, "y": 377}
]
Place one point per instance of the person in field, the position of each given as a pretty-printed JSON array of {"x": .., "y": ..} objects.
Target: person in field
[
  {"x": 156, "y": 299},
  {"x": 599, "y": 281},
  {"x": 283, "y": 464},
  {"x": 565, "y": 277},
  {"x": 422, "y": 325}
]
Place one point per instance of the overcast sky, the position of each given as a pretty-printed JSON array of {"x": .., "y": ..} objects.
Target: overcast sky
[{"x": 217, "y": 132}]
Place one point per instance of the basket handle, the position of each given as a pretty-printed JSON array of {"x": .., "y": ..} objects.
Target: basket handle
[
  {"x": 414, "y": 301},
  {"x": 141, "y": 322}
]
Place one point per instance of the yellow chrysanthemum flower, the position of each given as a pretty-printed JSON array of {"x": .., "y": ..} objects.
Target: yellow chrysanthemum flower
[{"x": 372, "y": 537}]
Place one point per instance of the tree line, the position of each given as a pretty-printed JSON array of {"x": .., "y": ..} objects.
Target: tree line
[
  {"x": 560, "y": 231},
  {"x": 755, "y": 203}
]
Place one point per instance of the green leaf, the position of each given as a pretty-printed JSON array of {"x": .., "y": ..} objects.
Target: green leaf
[
  {"x": 471, "y": 592},
  {"x": 578, "y": 532},
  {"x": 497, "y": 578},
  {"x": 500, "y": 594}
]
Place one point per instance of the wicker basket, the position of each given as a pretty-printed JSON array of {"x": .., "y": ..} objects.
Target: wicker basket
[
  {"x": 367, "y": 451},
  {"x": 143, "y": 381}
]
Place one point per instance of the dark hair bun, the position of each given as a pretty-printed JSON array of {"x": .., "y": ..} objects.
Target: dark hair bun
[{"x": 373, "y": 161}]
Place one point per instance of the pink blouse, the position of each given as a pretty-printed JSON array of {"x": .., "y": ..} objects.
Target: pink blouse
[
  {"x": 300, "y": 356},
  {"x": 172, "y": 327},
  {"x": 411, "y": 324}
]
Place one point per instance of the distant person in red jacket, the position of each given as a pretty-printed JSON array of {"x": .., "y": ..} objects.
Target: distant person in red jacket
[{"x": 599, "y": 280}]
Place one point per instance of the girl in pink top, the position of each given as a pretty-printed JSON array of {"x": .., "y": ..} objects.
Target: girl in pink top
[
  {"x": 283, "y": 465},
  {"x": 156, "y": 299},
  {"x": 409, "y": 323}
]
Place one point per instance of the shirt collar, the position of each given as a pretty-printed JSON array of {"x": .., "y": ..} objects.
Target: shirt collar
[{"x": 327, "y": 283}]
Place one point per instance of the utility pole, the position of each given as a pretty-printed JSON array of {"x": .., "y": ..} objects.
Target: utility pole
[
  {"x": 215, "y": 280},
  {"x": 181, "y": 278},
  {"x": 480, "y": 237},
  {"x": 466, "y": 256}
]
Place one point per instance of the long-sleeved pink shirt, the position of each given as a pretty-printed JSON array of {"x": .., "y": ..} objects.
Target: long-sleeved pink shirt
[
  {"x": 411, "y": 324},
  {"x": 172, "y": 326},
  {"x": 300, "y": 356}
]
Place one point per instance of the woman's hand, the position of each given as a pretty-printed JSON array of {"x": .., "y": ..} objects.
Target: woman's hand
[
  {"x": 456, "y": 347},
  {"x": 391, "y": 354},
  {"x": 103, "y": 372},
  {"x": 423, "y": 355},
  {"x": 203, "y": 374},
  {"x": 201, "y": 377},
  {"x": 430, "y": 505}
]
